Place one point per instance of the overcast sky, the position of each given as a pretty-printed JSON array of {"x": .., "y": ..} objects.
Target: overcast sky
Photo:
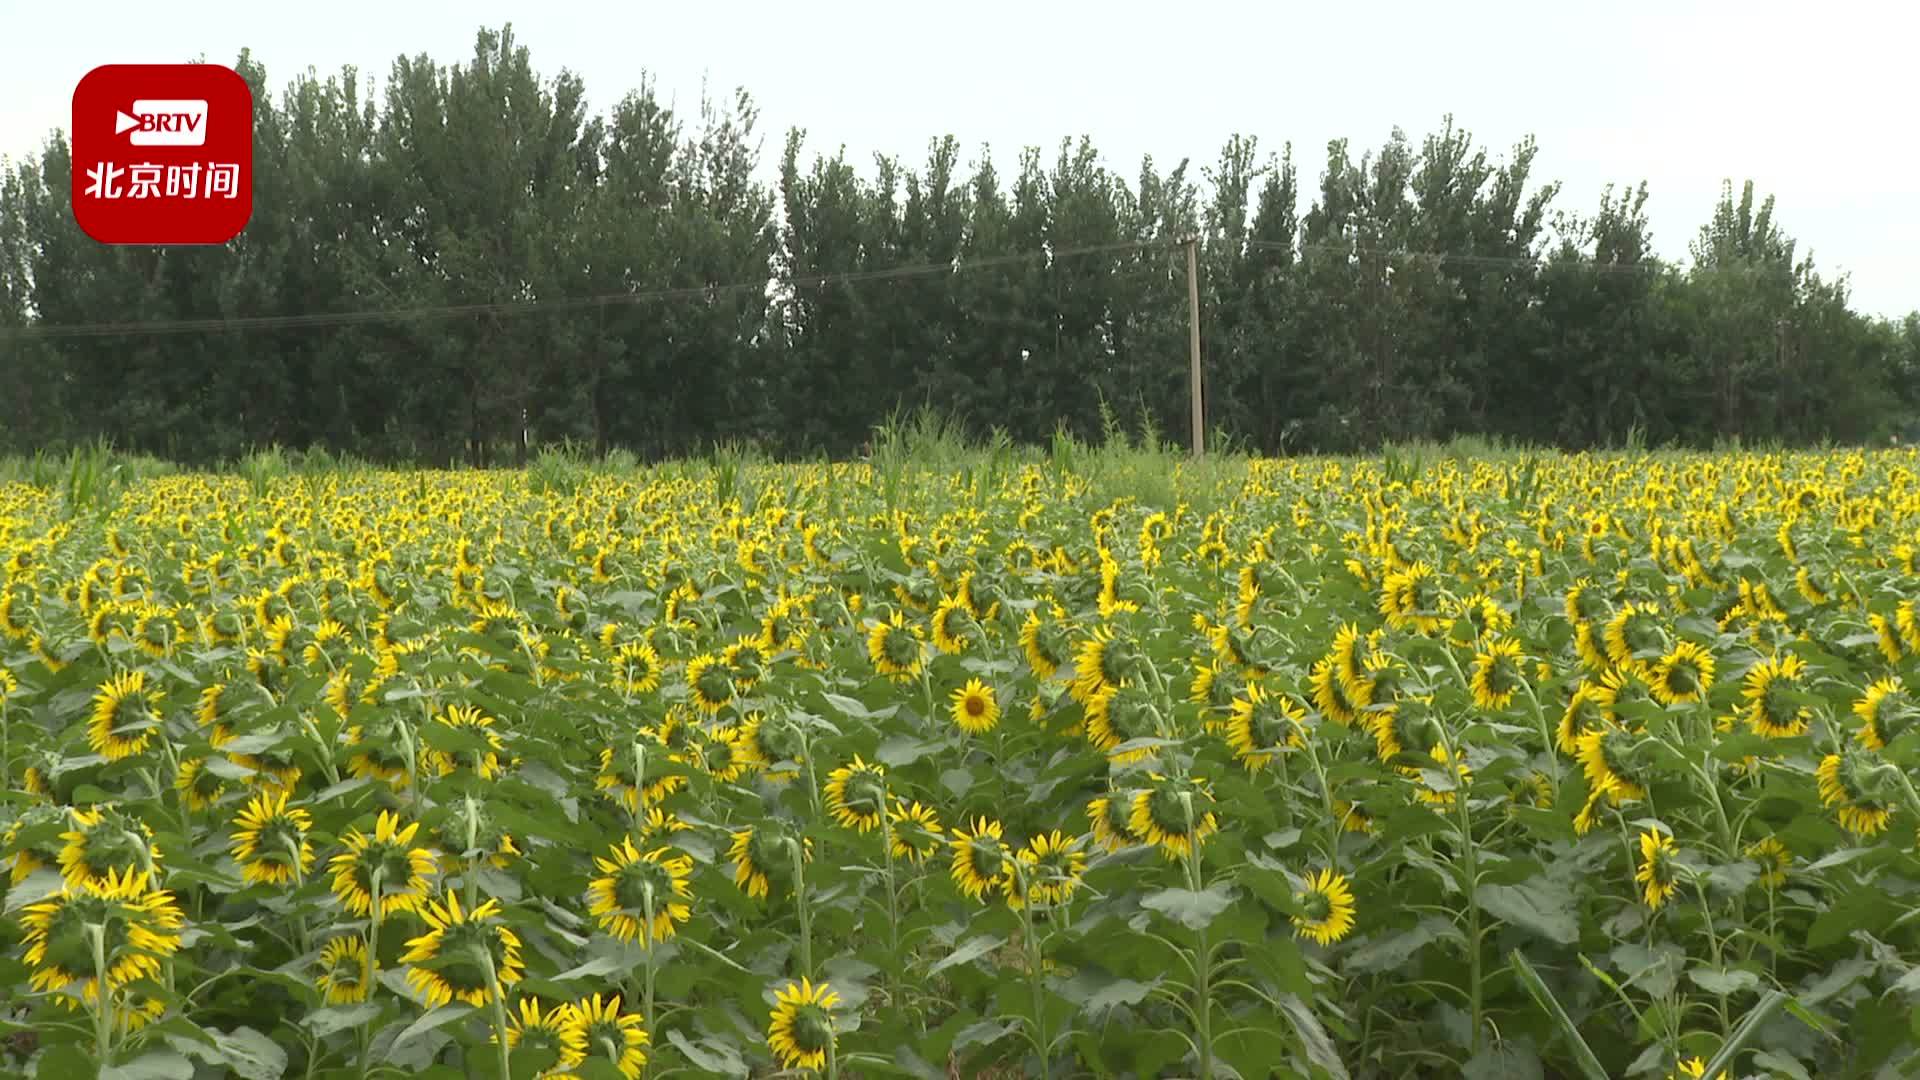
[{"x": 1815, "y": 102}]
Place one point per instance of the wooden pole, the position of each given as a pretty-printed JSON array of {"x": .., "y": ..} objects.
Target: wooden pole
[{"x": 1193, "y": 343}]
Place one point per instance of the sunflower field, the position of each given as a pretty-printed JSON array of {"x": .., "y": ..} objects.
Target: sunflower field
[{"x": 1587, "y": 766}]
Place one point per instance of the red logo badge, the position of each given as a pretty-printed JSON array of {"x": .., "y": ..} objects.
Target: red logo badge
[{"x": 162, "y": 154}]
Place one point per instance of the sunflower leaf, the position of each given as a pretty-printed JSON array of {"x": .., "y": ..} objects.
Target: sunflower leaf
[
  {"x": 1191, "y": 909},
  {"x": 1543, "y": 906},
  {"x": 972, "y": 949}
]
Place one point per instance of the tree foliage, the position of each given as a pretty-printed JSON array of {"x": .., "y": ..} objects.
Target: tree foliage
[{"x": 519, "y": 268}]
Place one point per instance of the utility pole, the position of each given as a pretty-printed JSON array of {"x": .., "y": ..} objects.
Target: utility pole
[{"x": 1193, "y": 342}]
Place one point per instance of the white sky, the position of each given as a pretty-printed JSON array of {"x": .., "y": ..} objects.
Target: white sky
[{"x": 1815, "y": 102}]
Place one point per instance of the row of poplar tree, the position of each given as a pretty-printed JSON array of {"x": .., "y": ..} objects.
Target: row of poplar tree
[{"x": 1423, "y": 290}]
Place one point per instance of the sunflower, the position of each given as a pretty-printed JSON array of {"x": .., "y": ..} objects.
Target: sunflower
[
  {"x": 1843, "y": 787},
  {"x": 915, "y": 831},
  {"x": 1326, "y": 905},
  {"x": 1111, "y": 819},
  {"x": 1497, "y": 674},
  {"x": 378, "y": 750},
  {"x": 721, "y": 752},
  {"x": 125, "y": 716},
  {"x": 1049, "y": 867},
  {"x": 761, "y": 856},
  {"x": 1605, "y": 755},
  {"x": 975, "y": 708},
  {"x": 775, "y": 744},
  {"x": 139, "y": 926},
  {"x": 1330, "y": 697},
  {"x": 1262, "y": 726},
  {"x": 640, "y": 896},
  {"x": 1584, "y": 713},
  {"x": 1884, "y": 712},
  {"x": 485, "y": 764},
  {"x": 1886, "y": 636},
  {"x": 1633, "y": 635},
  {"x": 450, "y": 961},
  {"x": 1102, "y": 662},
  {"x": 800, "y": 1030},
  {"x": 1768, "y": 711},
  {"x": 346, "y": 973},
  {"x": 1774, "y": 859},
  {"x": 1683, "y": 674},
  {"x": 553, "y": 1029},
  {"x": 981, "y": 860},
  {"x": 1410, "y": 599},
  {"x": 40, "y": 820},
  {"x": 403, "y": 870},
  {"x": 1458, "y": 777},
  {"x": 1118, "y": 715},
  {"x": 199, "y": 787},
  {"x": 745, "y": 661},
  {"x": 599, "y": 1026},
  {"x": 636, "y": 668},
  {"x": 896, "y": 648},
  {"x": 709, "y": 685},
  {"x": 856, "y": 794},
  {"x": 953, "y": 623},
  {"x": 1045, "y": 644},
  {"x": 1352, "y": 816},
  {"x": 1656, "y": 871},
  {"x": 1175, "y": 815},
  {"x": 104, "y": 841},
  {"x": 270, "y": 841}
]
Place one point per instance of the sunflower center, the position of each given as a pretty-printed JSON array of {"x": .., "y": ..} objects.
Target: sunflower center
[
  {"x": 976, "y": 705},
  {"x": 984, "y": 852},
  {"x": 714, "y": 685},
  {"x": 812, "y": 1028},
  {"x": 902, "y": 649},
  {"x": 865, "y": 793}
]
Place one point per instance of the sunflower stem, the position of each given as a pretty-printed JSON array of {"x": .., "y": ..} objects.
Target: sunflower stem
[
  {"x": 375, "y": 911},
  {"x": 1202, "y": 968},
  {"x": 499, "y": 1004},
  {"x": 800, "y": 901},
  {"x": 646, "y": 939},
  {"x": 1470, "y": 871},
  {"x": 102, "y": 997},
  {"x": 1035, "y": 959}
]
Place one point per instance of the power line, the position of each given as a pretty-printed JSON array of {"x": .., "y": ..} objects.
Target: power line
[{"x": 521, "y": 307}]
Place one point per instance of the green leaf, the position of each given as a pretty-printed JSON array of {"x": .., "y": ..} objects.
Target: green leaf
[
  {"x": 1716, "y": 981},
  {"x": 1507, "y": 1061},
  {"x": 1537, "y": 989},
  {"x": 253, "y": 1055},
  {"x": 1194, "y": 910},
  {"x": 973, "y": 949},
  {"x": 1392, "y": 951},
  {"x": 324, "y": 1022},
  {"x": 710, "y": 1057},
  {"x": 1118, "y": 992},
  {"x": 152, "y": 1065},
  {"x": 1743, "y": 1034},
  {"x": 445, "y": 1014},
  {"x": 896, "y": 751},
  {"x": 1542, "y": 906},
  {"x": 1313, "y": 1036}
]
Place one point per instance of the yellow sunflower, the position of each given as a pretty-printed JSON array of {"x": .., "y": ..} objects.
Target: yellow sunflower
[
  {"x": 856, "y": 794},
  {"x": 800, "y": 1030},
  {"x": 402, "y": 870},
  {"x": 1262, "y": 725},
  {"x": 451, "y": 961},
  {"x": 1049, "y": 867},
  {"x": 915, "y": 831},
  {"x": 125, "y": 716},
  {"x": 1327, "y": 913},
  {"x": 346, "y": 973},
  {"x": 1683, "y": 675},
  {"x": 1497, "y": 674},
  {"x": 980, "y": 859},
  {"x": 598, "y": 1026},
  {"x": 553, "y": 1029},
  {"x": 974, "y": 708},
  {"x": 1842, "y": 781},
  {"x": 139, "y": 926},
  {"x": 1174, "y": 814},
  {"x": 270, "y": 841},
  {"x": 1656, "y": 873},
  {"x": 896, "y": 648},
  {"x": 641, "y": 896}
]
